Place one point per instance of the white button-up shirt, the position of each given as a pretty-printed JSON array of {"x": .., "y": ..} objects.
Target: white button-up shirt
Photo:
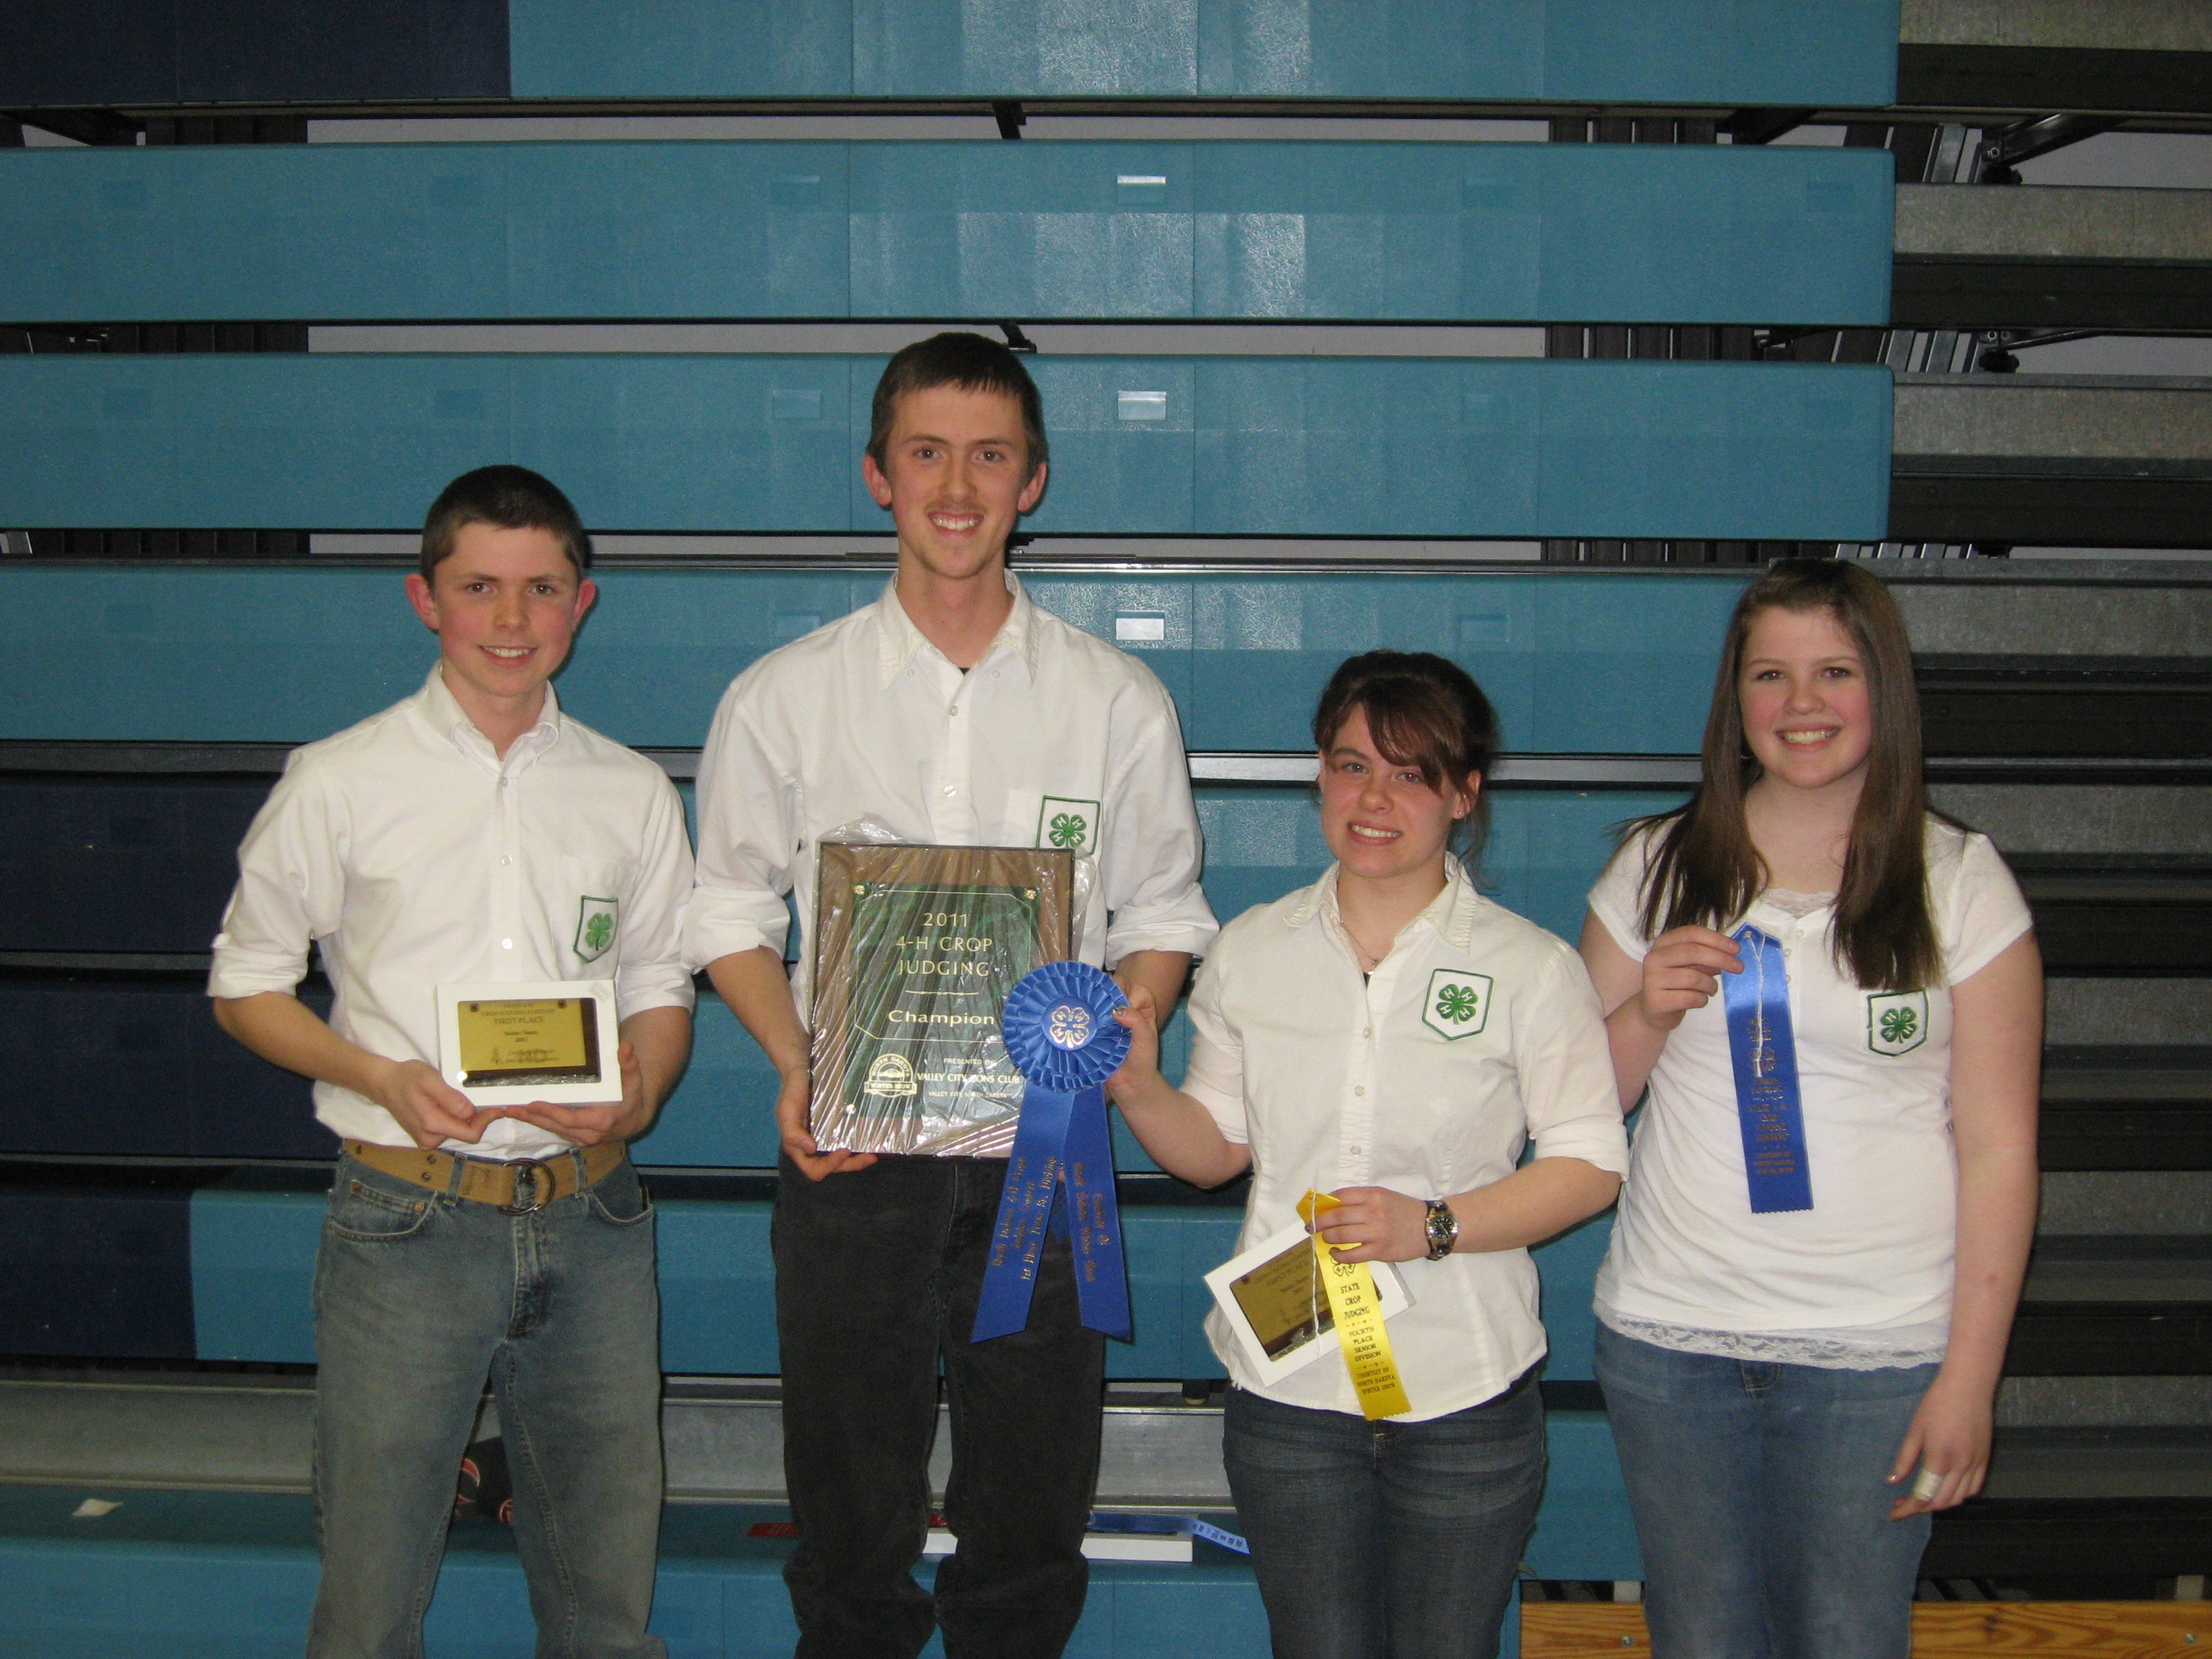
[
  {"x": 1476, "y": 1032},
  {"x": 1053, "y": 739},
  {"x": 415, "y": 856}
]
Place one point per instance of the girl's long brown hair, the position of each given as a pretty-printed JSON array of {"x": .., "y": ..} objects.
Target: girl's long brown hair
[{"x": 1703, "y": 870}]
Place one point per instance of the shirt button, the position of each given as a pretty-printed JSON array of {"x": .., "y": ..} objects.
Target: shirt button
[
  {"x": 1357, "y": 1152},
  {"x": 1367, "y": 1031},
  {"x": 503, "y": 859},
  {"x": 951, "y": 788},
  {"x": 507, "y": 945},
  {"x": 1361, "y": 1089}
]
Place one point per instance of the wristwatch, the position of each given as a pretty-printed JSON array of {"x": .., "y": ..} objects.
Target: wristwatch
[{"x": 1442, "y": 1228}]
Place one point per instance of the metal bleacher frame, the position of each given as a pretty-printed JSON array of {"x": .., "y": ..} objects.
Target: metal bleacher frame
[{"x": 1983, "y": 459}]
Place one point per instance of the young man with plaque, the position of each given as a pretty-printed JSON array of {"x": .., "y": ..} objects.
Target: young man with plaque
[
  {"x": 951, "y": 713},
  {"x": 494, "y": 889}
]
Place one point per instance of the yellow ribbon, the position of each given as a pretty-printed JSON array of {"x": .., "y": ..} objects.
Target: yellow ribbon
[{"x": 1358, "y": 1315}]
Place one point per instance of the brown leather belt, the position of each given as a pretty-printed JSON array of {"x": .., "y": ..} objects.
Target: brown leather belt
[{"x": 491, "y": 1181}]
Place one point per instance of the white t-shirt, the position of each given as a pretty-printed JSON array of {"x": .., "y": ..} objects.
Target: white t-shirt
[
  {"x": 1864, "y": 1276},
  {"x": 1053, "y": 739},
  {"x": 415, "y": 857},
  {"x": 1477, "y": 1031}
]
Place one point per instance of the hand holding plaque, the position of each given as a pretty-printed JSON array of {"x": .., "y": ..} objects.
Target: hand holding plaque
[{"x": 914, "y": 949}]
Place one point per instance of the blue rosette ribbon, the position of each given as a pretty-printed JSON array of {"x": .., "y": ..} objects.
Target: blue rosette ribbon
[{"x": 1061, "y": 1035}]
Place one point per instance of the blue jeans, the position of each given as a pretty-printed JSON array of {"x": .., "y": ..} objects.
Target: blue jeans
[
  {"x": 1375, "y": 1540},
  {"x": 417, "y": 1297},
  {"x": 1761, "y": 1500}
]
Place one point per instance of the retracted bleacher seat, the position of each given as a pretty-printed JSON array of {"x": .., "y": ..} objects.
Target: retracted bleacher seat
[
  {"x": 1722, "y": 51},
  {"x": 1205, "y": 447},
  {"x": 1381, "y": 232}
]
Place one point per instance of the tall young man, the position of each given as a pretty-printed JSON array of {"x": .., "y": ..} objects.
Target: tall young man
[
  {"x": 473, "y": 833},
  {"x": 956, "y": 712}
]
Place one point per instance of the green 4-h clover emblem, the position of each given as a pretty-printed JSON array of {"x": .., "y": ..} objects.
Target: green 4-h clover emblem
[
  {"x": 595, "y": 926},
  {"x": 1897, "y": 1021},
  {"x": 1066, "y": 821},
  {"x": 1457, "y": 1004}
]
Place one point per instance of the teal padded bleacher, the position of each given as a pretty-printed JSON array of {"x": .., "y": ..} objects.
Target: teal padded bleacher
[
  {"x": 1270, "y": 231},
  {"x": 206, "y": 1574},
  {"x": 252, "y": 1253},
  {"x": 1717, "y": 51},
  {"x": 1207, "y": 446},
  {"x": 1577, "y": 661}
]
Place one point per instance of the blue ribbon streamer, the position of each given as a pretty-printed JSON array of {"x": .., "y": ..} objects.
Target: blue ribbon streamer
[
  {"x": 1061, "y": 1035},
  {"x": 1769, "y": 1104}
]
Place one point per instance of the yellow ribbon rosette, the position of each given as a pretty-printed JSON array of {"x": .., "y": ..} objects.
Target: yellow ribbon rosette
[{"x": 1358, "y": 1312}]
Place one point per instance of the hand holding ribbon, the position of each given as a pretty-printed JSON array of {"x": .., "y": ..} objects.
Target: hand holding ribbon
[
  {"x": 1061, "y": 1035},
  {"x": 1356, "y": 1312}
]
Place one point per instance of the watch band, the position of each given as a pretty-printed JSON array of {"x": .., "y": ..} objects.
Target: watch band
[{"x": 1443, "y": 1229}]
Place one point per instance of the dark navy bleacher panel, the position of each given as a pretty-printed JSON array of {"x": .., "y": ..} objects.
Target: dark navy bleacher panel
[
  {"x": 103, "y": 863},
  {"x": 1576, "y": 663},
  {"x": 133, "y": 1066},
  {"x": 1720, "y": 51},
  {"x": 88, "y": 52},
  {"x": 1402, "y": 232},
  {"x": 95, "y": 1263},
  {"x": 1215, "y": 446}
]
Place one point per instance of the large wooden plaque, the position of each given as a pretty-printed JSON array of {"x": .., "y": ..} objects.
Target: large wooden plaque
[{"x": 915, "y": 950}]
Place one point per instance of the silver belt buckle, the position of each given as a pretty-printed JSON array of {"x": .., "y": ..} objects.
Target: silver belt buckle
[{"x": 541, "y": 1187}]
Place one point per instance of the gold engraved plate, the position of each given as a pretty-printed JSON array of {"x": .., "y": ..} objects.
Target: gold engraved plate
[
  {"x": 532, "y": 1041},
  {"x": 1283, "y": 1301},
  {"x": 914, "y": 950},
  {"x": 548, "y": 1040}
]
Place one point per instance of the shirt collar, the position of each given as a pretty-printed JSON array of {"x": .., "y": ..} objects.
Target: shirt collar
[
  {"x": 898, "y": 640},
  {"x": 442, "y": 712},
  {"x": 1450, "y": 915}
]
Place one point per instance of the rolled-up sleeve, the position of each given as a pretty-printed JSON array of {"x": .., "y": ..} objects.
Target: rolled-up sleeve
[
  {"x": 291, "y": 887},
  {"x": 748, "y": 837},
  {"x": 1215, "y": 1078},
  {"x": 653, "y": 974},
  {"x": 1152, "y": 850},
  {"x": 1565, "y": 1066}
]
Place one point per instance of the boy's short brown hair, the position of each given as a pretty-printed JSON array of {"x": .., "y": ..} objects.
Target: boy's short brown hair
[
  {"x": 974, "y": 362},
  {"x": 508, "y": 498}
]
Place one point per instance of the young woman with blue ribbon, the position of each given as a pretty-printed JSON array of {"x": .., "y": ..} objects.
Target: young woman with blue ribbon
[
  {"x": 1834, "y": 997},
  {"x": 1392, "y": 1038}
]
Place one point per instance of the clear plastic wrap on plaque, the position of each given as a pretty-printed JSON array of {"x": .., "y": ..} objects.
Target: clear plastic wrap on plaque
[{"x": 914, "y": 949}]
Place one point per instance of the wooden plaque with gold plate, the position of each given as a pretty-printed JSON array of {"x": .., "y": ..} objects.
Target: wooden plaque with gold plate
[{"x": 914, "y": 949}]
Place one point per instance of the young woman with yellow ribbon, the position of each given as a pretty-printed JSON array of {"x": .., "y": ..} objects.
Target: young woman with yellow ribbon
[{"x": 1377, "y": 1050}]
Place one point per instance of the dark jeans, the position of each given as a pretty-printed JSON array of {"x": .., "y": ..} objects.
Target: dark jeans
[
  {"x": 1386, "y": 1541},
  {"x": 1762, "y": 1502},
  {"x": 876, "y": 1274},
  {"x": 417, "y": 1297}
]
